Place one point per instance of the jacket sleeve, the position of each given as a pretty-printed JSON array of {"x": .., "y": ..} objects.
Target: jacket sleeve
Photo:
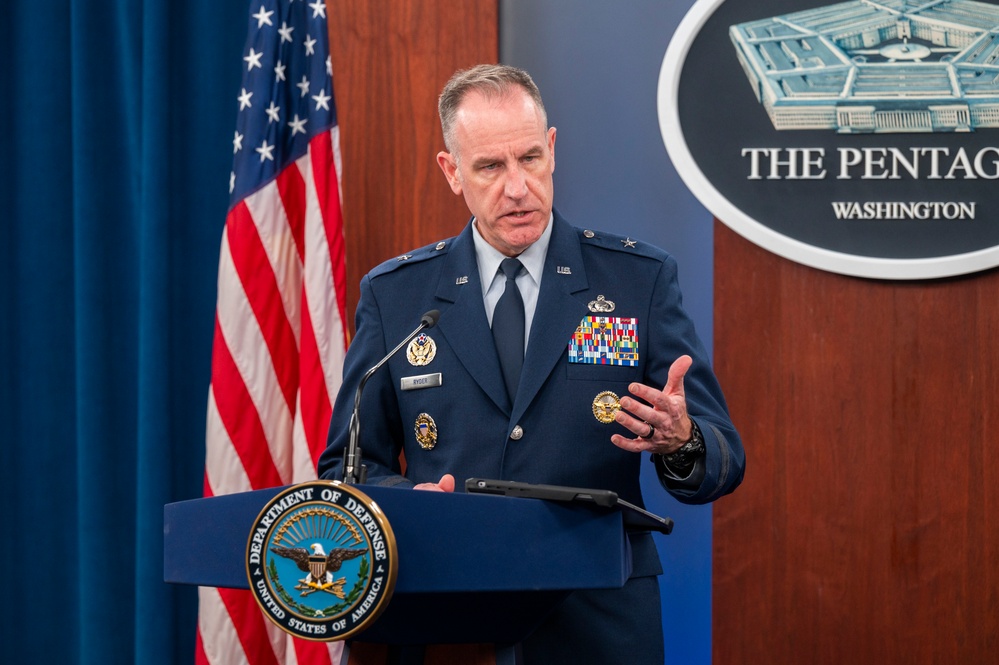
[{"x": 672, "y": 335}]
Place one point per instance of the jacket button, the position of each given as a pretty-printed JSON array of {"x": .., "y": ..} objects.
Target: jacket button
[{"x": 517, "y": 433}]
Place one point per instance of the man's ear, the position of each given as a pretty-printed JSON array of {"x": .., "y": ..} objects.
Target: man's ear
[
  {"x": 450, "y": 168},
  {"x": 551, "y": 145}
]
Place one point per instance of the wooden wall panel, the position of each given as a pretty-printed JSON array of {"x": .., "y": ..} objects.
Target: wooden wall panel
[
  {"x": 865, "y": 531},
  {"x": 390, "y": 60}
]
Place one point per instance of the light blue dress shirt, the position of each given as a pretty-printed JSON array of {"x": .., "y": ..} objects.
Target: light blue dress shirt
[{"x": 493, "y": 282}]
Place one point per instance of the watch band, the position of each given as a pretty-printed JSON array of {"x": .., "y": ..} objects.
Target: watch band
[{"x": 688, "y": 453}]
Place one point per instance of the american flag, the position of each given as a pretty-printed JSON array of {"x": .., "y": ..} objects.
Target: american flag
[{"x": 280, "y": 337}]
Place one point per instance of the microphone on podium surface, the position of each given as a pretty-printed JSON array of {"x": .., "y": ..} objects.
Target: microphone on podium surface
[{"x": 354, "y": 472}]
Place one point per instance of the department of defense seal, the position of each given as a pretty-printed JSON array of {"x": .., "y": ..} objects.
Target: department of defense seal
[
  {"x": 605, "y": 405},
  {"x": 421, "y": 350},
  {"x": 321, "y": 560}
]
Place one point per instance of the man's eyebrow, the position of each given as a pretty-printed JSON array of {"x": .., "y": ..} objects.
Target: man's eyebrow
[{"x": 485, "y": 161}]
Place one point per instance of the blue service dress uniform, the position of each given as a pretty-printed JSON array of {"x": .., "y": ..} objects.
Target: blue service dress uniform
[{"x": 549, "y": 433}]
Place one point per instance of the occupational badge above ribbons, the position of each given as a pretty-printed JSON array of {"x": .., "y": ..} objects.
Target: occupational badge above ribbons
[{"x": 321, "y": 560}]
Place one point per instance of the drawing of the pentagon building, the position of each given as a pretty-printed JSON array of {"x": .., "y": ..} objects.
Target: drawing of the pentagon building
[{"x": 876, "y": 66}]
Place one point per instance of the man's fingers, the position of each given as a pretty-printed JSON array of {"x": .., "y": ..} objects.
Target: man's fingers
[
  {"x": 446, "y": 484},
  {"x": 674, "y": 384}
]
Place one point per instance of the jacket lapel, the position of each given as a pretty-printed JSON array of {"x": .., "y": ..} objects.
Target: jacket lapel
[
  {"x": 463, "y": 321},
  {"x": 558, "y": 313}
]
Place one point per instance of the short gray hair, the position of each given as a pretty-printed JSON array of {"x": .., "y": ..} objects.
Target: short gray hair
[{"x": 491, "y": 81}]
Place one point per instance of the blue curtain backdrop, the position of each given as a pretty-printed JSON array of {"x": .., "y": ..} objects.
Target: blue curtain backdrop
[{"x": 117, "y": 120}]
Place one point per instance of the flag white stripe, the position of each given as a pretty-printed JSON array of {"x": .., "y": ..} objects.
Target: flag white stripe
[
  {"x": 335, "y": 137},
  {"x": 303, "y": 468}
]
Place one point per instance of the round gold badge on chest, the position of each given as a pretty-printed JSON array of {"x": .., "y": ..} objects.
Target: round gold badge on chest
[{"x": 605, "y": 405}]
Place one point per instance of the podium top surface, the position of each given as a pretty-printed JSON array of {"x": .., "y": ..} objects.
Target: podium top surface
[{"x": 446, "y": 542}]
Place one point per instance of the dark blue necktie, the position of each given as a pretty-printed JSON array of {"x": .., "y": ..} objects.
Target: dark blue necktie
[{"x": 508, "y": 328}]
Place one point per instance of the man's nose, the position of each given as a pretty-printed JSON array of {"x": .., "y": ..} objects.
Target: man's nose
[{"x": 515, "y": 186}]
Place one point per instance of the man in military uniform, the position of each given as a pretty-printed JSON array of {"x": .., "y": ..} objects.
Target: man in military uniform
[{"x": 562, "y": 356}]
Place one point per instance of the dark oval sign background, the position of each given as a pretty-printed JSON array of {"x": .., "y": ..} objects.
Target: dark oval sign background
[{"x": 713, "y": 125}]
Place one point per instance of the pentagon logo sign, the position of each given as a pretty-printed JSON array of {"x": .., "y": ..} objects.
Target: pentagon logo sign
[
  {"x": 859, "y": 137},
  {"x": 321, "y": 560}
]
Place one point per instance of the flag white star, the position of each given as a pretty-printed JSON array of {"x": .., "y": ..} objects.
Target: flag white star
[
  {"x": 297, "y": 125},
  {"x": 279, "y": 71},
  {"x": 322, "y": 100},
  {"x": 329, "y": 66},
  {"x": 266, "y": 151},
  {"x": 237, "y": 143},
  {"x": 244, "y": 99},
  {"x": 272, "y": 112},
  {"x": 318, "y": 8},
  {"x": 232, "y": 181},
  {"x": 262, "y": 17},
  {"x": 310, "y": 45},
  {"x": 304, "y": 85},
  {"x": 285, "y": 31},
  {"x": 253, "y": 60}
]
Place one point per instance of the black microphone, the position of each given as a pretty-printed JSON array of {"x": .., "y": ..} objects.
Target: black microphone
[{"x": 354, "y": 472}]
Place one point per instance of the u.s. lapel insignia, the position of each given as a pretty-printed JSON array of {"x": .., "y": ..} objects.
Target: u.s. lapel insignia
[
  {"x": 605, "y": 405},
  {"x": 601, "y": 305},
  {"x": 421, "y": 350},
  {"x": 426, "y": 431},
  {"x": 461, "y": 280},
  {"x": 564, "y": 270}
]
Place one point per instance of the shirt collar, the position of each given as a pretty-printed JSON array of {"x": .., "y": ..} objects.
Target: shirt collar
[{"x": 489, "y": 258}]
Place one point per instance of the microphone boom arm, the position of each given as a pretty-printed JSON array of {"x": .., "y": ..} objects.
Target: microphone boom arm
[{"x": 354, "y": 471}]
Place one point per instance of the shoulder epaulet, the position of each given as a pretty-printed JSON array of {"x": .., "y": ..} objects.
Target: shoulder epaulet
[
  {"x": 618, "y": 243},
  {"x": 415, "y": 256}
]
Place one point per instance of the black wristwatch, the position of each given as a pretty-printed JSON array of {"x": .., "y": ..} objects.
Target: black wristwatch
[{"x": 688, "y": 453}]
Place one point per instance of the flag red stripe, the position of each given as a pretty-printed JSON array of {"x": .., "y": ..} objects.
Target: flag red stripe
[
  {"x": 240, "y": 417},
  {"x": 314, "y": 653},
  {"x": 291, "y": 187},
  {"x": 316, "y": 407},
  {"x": 261, "y": 287}
]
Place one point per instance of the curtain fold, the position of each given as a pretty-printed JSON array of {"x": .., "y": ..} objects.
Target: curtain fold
[{"x": 119, "y": 119}]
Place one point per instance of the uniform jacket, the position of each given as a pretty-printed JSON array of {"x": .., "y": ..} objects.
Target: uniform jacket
[{"x": 558, "y": 440}]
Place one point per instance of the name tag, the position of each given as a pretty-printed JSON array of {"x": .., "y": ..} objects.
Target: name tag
[
  {"x": 605, "y": 340},
  {"x": 422, "y": 381}
]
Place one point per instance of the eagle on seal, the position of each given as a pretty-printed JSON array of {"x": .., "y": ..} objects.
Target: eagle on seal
[{"x": 319, "y": 566}]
